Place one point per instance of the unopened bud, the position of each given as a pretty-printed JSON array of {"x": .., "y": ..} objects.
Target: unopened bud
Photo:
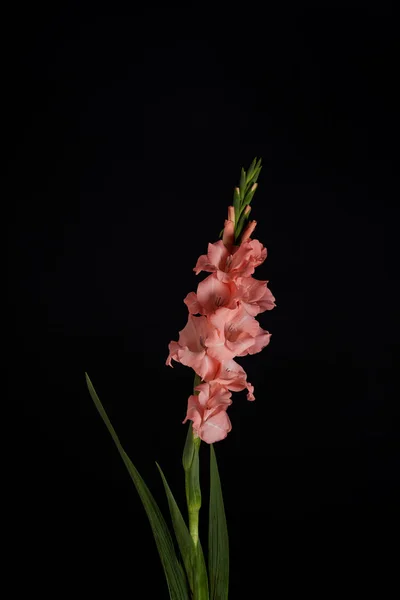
[
  {"x": 248, "y": 231},
  {"x": 254, "y": 187},
  {"x": 228, "y": 236},
  {"x": 231, "y": 213}
]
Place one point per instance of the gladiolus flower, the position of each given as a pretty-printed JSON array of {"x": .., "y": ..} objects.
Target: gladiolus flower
[
  {"x": 234, "y": 333},
  {"x": 232, "y": 376},
  {"x": 191, "y": 349},
  {"x": 228, "y": 266},
  {"x": 254, "y": 295},
  {"x": 207, "y": 410},
  {"x": 211, "y": 295}
]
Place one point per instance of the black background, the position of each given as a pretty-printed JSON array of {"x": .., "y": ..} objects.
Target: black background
[{"x": 129, "y": 132}]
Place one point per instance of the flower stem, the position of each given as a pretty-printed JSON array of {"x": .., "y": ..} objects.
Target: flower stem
[
  {"x": 193, "y": 492},
  {"x": 192, "y": 480}
]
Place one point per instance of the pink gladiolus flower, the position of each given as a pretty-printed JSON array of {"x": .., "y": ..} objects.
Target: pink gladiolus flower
[
  {"x": 191, "y": 349},
  {"x": 207, "y": 410},
  {"x": 228, "y": 266},
  {"x": 254, "y": 295},
  {"x": 234, "y": 334},
  {"x": 261, "y": 340},
  {"x": 211, "y": 295},
  {"x": 232, "y": 376}
]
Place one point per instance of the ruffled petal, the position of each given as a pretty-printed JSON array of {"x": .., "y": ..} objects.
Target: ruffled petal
[{"x": 216, "y": 428}]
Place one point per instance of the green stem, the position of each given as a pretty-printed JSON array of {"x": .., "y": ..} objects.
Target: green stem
[
  {"x": 193, "y": 491},
  {"x": 192, "y": 478}
]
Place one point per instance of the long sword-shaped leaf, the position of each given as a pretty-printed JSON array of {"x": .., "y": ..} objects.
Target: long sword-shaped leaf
[
  {"x": 193, "y": 557},
  {"x": 173, "y": 570},
  {"x": 218, "y": 542}
]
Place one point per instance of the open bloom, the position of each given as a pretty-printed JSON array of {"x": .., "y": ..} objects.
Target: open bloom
[
  {"x": 240, "y": 262},
  {"x": 207, "y": 410},
  {"x": 191, "y": 349},
  {"x": 235, "y": 333},
  {"x": 232, "y": 376},
  {"x": 254, "y": 295},
  {"x": 211, "y": 295}
]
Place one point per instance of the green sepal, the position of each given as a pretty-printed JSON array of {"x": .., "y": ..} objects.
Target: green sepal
[{"x": 251, "y": 170}]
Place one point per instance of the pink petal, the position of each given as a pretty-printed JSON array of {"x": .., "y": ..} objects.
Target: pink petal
[
  {"x": 240, "y": 347},
  {"x": 204, "y": 393},
  {"x": 260, "y": 342},
  {"x": 194, "y": 333},
  {"x": 250, "y": 395},
  {"x": 254, "y": 295},
  {"x": 211, "y": 261},
  {"x": 193, "y": 304},
  {"x": 216, "y": 428},
  {"x": 213, "y": 293},
  {"x": 240, "y": 260},
  {"x": 219, "y": 395},
  {"x": 221, "y": 352},
  {"x": 204, "y": 365},
  {"x": 173, "y": 348},
  {"x": 267, "y": 302},
  {"x": 239, "y": 330},
  {"x": 193, "y": 412},
  {"x": 217, "y": 254},
  {"x": 243, "y": 322}
]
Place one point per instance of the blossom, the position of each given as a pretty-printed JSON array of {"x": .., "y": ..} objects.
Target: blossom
[
  {"x": 232, "y": 376},
  {"x": 236, "y": 333},
  {"x": 211, "y": 295},
  {"x": 191, "y": 349},
  {"x": 254, "y": 295},
  {"x": 207, "y": 410},
  {"x": 241, "y": 262}
]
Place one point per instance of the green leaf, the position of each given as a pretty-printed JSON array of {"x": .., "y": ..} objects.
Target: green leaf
[
  {"x": 173, "y": 570},
  {"x": 192, "y": 556},
  {"x": 201, "y": 591},
  {"x": 218, "y": 542},
  {"x": 188, "y": 450}
]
